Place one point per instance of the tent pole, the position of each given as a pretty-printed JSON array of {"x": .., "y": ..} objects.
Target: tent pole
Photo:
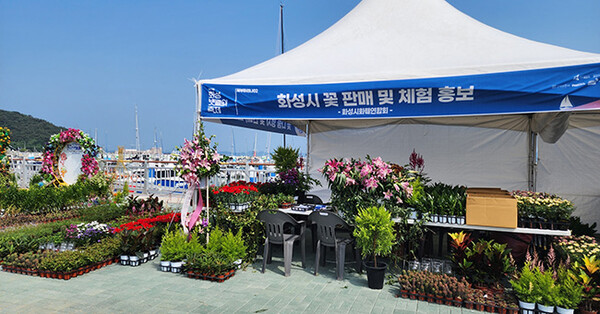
[
  {"x": 197, "y": 115},
  {"x": 532, "y": 157},
  {"x": 307, "y": 146}
]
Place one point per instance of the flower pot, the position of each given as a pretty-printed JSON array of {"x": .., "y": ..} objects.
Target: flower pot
[
  {"x": 124, "y": 260},
  {"x": 434, "y": 218},
  {"x": 545, "y": 308},
  {"x": 469, "y": 304},
  {"x": 413, "y": 214},
  {"x": 134, "y": 261},
  {"x": 152, "y": 254},
  {"x": 444, "y": 219},
  {"x": 176, "y": 267},
  {"x": 404, "y": 293},
  {"x": 238, "y": 263},
  {"x": 165, "y": 266},
  {"x": 526, "y": 307},
  {"x": 414, "y": 265},
  {"x": 412, "y": 295},
  {"x": 460, "y": 220},
  {"x": 375, "y": 275},
  {"x": 561, "y": 310},
  {"x": 145, "y": 258},
  {"x": 582, "y": 311}
]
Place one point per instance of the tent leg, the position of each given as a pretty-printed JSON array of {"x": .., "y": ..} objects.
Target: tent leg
[
  {"x": 307, "y": 146},
  {"x": 533, "y": 159}
]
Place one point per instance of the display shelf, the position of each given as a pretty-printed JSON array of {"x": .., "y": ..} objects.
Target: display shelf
[{"x": 496, "y": 229}]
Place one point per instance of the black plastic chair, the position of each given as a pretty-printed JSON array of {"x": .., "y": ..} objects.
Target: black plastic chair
[
  {"x": 326, "y": 225},
  {"x": 275, "y": 233}
]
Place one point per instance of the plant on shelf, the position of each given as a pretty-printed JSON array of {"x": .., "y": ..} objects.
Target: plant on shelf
[
  {"x": 374, "y": 233},
  {"x": 540, "y": 205},
  {"x": 358, "y": 184},
  {"x": 441, "y": 199},
  {"x": 237, "y": 192},
  {"x": 577, "y": 247}
]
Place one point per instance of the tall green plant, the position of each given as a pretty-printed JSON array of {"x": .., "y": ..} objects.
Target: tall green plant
[
  {"x": 523, "y": 285},
  {"x": 285, "y": 158},
  {"x": 374, "y": 232}
]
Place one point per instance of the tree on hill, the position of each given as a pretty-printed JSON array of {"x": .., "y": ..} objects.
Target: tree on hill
[{"x": 27, "y": 133}]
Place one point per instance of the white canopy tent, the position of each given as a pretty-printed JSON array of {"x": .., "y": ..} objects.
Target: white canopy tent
[{"x": 521, "y": 88}]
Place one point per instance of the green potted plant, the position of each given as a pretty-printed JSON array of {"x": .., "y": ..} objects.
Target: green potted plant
[
  {"x": 545, "y": 291},
  {"x": 523, "y": 287},
  {"x": 570, "y": 293},
  {"x": 174, "y": 250},
  {"x": 374, "y": 232}
]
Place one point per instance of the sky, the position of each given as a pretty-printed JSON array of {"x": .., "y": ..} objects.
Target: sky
[{"x": 86, "y": 64}]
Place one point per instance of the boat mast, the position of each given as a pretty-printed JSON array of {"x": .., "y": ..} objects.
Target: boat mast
[{"x": 137, "y": 131}]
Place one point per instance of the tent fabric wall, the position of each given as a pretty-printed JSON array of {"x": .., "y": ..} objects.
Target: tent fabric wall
[
  {"x": 472, "y": 156},
  {"x": 571, "y": 167}
]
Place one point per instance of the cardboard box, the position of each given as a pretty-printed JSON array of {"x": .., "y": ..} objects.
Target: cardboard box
[{"x": 491, "y": 207}]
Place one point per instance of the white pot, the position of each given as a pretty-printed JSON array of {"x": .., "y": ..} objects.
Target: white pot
[
  {"x": 176, "y": 267},
  {"x": 152, "y": 254},
  {"x": 527, "y": 308},
  {"x": 545, "y": 308},
  {"x": 460, "y": 220},
  {"x": 444, "y": 219},
  {"x": 413, "y": 215},
  {"x": 452, "y": 220},
  {"x": 561, "y": 310},
  {"x": 238, "y": 263},
  {"x": 124, "y": 260},
  {"x": 134, "y": 260},
  {"x": 434, "y": 218},
  {"x": 165, "y": 265}
]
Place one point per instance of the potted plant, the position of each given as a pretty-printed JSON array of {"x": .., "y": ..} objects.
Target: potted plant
[
  {"x": 173, "y": 248},
  {"x": 570, "y": 293},
  {"x": 545, "y": 291},
  {"x": 523, "y": 287},
  {"x": 374, "y": 234}
]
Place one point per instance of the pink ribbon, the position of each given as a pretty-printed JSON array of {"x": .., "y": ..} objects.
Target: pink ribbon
[{"x": 196, "y": 214}]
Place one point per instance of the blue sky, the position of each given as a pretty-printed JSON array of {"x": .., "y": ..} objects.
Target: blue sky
[{"x": 85, "y": 64}]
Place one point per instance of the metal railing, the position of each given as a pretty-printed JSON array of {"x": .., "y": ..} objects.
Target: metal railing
[
  {"x": 153, "y": 177},
  {"x": 24, "y": 169},
  {"x": 160, "y": 177}
]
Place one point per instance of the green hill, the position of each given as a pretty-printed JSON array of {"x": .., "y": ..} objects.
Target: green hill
[{"x": 27, "y": 132}]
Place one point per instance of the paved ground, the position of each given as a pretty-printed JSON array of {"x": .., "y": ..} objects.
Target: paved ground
[{"x": 117, "y": 288}]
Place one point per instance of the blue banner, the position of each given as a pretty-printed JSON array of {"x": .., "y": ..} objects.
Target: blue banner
[
  {"x": 276, "y": 126},
  {"x": 543, "y": 90}
]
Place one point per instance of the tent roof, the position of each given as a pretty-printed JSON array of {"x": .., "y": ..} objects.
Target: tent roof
[{"x": 405, "y": 39}]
